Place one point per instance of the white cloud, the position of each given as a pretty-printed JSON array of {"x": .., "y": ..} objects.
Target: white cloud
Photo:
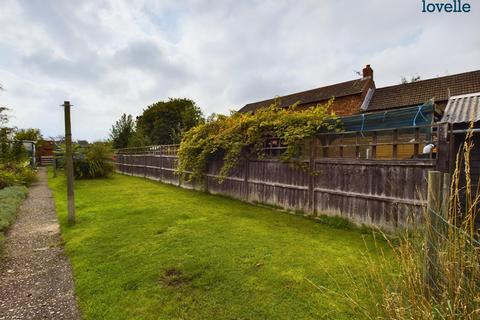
[{"x": 110, "y": 57}]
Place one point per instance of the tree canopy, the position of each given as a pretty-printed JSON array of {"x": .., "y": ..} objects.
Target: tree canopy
[
  {"x": 122, "y": 132},
  {"x": 30, "y": 134},
  {"x": 164, "y": 122}
]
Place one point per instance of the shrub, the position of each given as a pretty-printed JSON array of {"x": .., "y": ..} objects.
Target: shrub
[
  {"x": 14, "y": 173},
  {"x": 96, "y": 162}
]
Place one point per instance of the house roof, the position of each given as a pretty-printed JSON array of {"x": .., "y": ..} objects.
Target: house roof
[
  {"x": 463, "y": 108},
  {"x": 315, "y": 95},
  {"x": 419, "y": 92}
]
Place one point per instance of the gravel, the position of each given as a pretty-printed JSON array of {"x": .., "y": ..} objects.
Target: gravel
[{"x": 36, "y": 279}]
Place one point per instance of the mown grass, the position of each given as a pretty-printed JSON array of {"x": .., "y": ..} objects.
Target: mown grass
[
  {"x": 10, "y": 200},
  {"x": 146, "y": 250}
]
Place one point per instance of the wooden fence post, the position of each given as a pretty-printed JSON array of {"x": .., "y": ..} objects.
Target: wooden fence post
[
  {"x": 395, "y": 145},
  {"x": 445, "y": 194},
  {"x": 145, "y": 164},
  {"x": 245, "y": 179},
  {"x": 443, "y": 148},
  {"x": 432, "y": 219},
  {"x": 311, "y": 177},
  {"x": 54, "y": 165},
  {"x": 69, "y": 163}
]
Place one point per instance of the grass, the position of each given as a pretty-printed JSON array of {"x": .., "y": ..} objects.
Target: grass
[
  {"x": 10, "y": 200},
  {"x": 146, "y": 250},
  {"x": 437, "y": 262}
]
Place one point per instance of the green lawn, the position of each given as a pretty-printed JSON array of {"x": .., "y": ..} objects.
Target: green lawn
[{"x": 146, "y": 250}]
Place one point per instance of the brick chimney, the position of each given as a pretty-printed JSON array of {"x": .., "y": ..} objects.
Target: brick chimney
[{"x": 367, "y": 72}]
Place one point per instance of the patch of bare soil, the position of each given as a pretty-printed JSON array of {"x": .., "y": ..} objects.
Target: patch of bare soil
[
  {"x": 174, "y": 278},
  {"x": 35, "y": 276}
]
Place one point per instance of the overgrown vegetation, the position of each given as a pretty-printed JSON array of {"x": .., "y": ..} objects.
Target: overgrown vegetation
[
  {"x": 95, "y": 162},
  {"x": 243, "y": 135},
  {"x": 451, "y": 290},
  {"x": 444, "y": 284},
  {"x": 90, "y": 162},
  {"x": 16, "y": 173},
  {"x": 14, "y": 163},
  {"x": 10, "y": 200},
  {"x": 146, "y": 250}
]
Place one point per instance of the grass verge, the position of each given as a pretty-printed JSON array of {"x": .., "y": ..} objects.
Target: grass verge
[
  {"x": 10, "y": 200},
  {"x": 146, "y": 250}
]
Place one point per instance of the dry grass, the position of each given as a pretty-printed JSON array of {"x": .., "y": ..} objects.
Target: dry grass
[{"x": 420, "y": 286}]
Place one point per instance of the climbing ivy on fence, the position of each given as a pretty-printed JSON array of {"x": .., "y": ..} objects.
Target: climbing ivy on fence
[{"x": 241, "y": 135}]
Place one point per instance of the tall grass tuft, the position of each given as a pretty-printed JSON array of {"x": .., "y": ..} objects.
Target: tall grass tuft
[
  {"x": 451, "y": 290},
  {"x": 401, "y": 286}
]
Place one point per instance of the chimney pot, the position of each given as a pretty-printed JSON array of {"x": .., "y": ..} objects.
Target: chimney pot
[{"x": 367, "y": 72}]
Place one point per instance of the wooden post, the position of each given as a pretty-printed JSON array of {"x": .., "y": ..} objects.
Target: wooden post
[
  {"x": 416, "y": 146},
  {"x": 245, "y": 179},
  {"x": 311, "y": 177},
  {"x": 434, "y": 204},
  {"x": 54, "y": 165},
  {"x": 357, "y": 147},
  {"x": 443, "y": 148},
  {"x": 69, "y": 163},
  {"x": 395, "y": 144},
  {"x": 145, "y": 163},
  {"x": 445, "y": 200},
  {"x": 341, "y": 146}
]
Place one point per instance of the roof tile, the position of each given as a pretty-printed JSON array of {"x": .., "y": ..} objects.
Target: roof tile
[
  {"x": 419, "y": 92},
  {"x": 315, "y": 95}
]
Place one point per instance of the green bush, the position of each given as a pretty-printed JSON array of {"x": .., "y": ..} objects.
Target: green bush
[
  {"x": 15, "y": 173},
  {"x": 95, "y": 163}
]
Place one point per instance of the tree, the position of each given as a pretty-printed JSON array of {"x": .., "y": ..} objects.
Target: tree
[
  {"x": 164, "y": 122},
  {"x": 122, "y": 131},
  {"x": 3, "y": 116},
  {"x": 28, "y": 134}
]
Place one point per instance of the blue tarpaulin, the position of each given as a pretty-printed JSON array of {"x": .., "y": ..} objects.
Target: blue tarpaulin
[{"x": 396, "y": 118}]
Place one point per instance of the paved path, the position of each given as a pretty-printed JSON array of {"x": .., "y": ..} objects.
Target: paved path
[{"x": 35, "y": 276}]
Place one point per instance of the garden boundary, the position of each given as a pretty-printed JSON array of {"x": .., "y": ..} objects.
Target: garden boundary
[{"x": 383, "y": 193}]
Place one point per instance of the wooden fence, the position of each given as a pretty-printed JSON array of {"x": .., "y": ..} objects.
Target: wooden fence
[{"x": 365, "y": 190}]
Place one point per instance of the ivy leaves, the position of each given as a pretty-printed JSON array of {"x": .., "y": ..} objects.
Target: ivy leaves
[{"x": 242, "y": 135}]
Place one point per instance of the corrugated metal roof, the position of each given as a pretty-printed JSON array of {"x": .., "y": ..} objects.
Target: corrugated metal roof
[{"x": 464, "y": 108}]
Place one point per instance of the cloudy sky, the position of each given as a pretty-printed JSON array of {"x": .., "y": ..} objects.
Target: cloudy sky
[{"x": 113, "y": 56}]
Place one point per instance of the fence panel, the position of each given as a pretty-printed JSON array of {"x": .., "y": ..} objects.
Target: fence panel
[
  {"x": 381, "y": 193},
  {"x": 374, "y": 177}
]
